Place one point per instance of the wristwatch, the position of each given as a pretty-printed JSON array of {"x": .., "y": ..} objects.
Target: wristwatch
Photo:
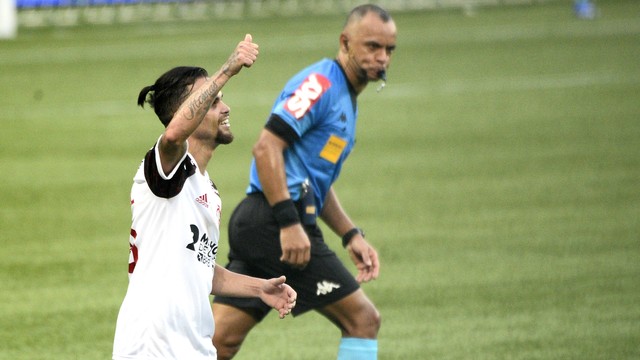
[{"x": 346, "y": 238}]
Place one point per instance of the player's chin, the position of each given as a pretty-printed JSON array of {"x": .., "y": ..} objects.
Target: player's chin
[{"x": 224, "y": 137}]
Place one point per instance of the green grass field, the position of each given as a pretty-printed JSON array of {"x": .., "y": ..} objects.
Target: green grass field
[{"x": 498, "y": 174}]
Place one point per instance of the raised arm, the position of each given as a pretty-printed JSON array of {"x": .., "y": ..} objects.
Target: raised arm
[{"x": 191, "y": 112}]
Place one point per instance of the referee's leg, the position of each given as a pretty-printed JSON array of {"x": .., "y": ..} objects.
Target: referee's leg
[
  {"x": 359, "y": 321},
  {"x": 232, "y": 327},
  {"x": 234, "y": 317}
]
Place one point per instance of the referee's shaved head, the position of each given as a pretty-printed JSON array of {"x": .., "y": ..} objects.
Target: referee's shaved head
[{"x": 360, "y": 11}]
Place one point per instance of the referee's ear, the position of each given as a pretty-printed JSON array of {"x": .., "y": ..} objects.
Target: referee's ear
[{"x": 344, "y": 42}]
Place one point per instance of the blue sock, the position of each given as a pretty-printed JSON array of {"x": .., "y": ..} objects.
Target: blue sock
[{"x": 358, "y": 349}]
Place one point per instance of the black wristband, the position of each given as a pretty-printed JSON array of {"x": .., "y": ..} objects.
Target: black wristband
[
  {"x": 346, "y": 238},
  {"x": 286, "y": 213}
]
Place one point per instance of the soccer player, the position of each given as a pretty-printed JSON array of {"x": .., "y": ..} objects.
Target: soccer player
[
  {"x": 175, "y": 223},
  {"x": 297, "y": 158}
]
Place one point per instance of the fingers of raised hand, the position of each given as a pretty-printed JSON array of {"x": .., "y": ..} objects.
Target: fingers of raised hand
[
  {"x": 247, "y": 51},
  {"x": 245, "y": 54}
]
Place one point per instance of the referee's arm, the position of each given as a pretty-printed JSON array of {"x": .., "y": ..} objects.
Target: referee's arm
[
  {"x": 334, "y": 215},
  {"x": 363, "y": 255}
]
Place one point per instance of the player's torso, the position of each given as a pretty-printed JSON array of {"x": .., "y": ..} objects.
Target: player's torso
[
  {"x": 174, "y": 241},
  {"x": 187, "y": 223}
]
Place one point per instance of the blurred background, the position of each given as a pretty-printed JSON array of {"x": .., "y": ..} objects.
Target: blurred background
[{"x": 497, "y": 172}]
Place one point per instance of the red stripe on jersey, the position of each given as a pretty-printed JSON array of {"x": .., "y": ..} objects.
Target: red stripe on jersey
[{"x": 133, "y": 251}]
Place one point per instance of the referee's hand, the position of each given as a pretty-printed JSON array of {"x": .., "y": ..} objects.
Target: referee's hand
[
  {"x": 296, "y": 247},
  {"x": 365, "y": 257}
]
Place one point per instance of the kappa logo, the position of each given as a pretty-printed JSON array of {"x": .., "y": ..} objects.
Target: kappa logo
[
  {"x": 307, "y": 94},
  {"x": 202, "y": 200},
  {"x": 325, "y": 287}
]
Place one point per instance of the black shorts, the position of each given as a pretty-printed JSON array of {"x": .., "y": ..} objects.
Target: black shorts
[{"x": 254, "y": 240}]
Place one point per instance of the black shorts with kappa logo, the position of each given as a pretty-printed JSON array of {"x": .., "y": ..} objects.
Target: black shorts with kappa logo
[{"x": 254, "y": 240}]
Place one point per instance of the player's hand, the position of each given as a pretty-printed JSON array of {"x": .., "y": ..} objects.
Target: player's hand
[
  {"x": 365, "y": 257},
  {"x": 245, "y": 54},
  {"x": 296, "y": 247},
  {"x": 279, "y": 296}
]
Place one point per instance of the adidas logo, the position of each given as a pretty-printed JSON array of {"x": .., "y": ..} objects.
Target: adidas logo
[
  {"x": 325, "y": 287},
  {"x": 202, "y": 200}
]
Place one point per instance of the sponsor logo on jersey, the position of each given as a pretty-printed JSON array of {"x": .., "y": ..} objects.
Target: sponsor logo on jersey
[
  {"x": 202, "y": 200},
  {"x": 205, "y": 248},
  {"x": 333, "y": 149},
  {"x": 325, "y": 287},
  {"x": 307, "y": 95}
]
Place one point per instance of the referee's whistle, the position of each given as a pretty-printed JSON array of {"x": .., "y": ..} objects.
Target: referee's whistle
[{"x": 383, "y": 76}]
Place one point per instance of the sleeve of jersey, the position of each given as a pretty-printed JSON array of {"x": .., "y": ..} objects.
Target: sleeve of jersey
[
  {"x": 298, "y": 107},
  {"x": 166, "y": 186}
]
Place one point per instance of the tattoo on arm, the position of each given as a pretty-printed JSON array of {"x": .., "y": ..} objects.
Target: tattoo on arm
[
  {"x": 195, "y": 107},
  {"x": 225, "y": 70}
]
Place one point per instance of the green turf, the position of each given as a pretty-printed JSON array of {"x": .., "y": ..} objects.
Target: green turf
[{"x": 498, "y": 175}]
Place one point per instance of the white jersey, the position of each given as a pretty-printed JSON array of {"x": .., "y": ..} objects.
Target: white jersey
[{"x": 173, "y": 244}]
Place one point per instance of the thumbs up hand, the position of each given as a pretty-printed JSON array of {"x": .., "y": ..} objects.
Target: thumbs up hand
[{"x": 245, "y": 54}]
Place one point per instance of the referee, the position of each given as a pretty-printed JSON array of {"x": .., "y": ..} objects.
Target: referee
[{"x": 297, "y": 158}]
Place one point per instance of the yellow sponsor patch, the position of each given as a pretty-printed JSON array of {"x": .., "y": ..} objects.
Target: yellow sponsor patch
[{"x": 333, "y": 149}]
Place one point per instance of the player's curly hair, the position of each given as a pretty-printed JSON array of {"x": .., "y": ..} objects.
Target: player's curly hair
[{"x": 170, "y": 90}]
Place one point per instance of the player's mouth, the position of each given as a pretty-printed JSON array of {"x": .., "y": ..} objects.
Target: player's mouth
[{"x": 225, "y": 122}]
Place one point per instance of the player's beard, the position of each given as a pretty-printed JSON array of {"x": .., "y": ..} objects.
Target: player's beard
[{"x": 224, "y": 137}]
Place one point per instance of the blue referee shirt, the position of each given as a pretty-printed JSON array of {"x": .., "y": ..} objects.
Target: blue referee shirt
[{"x": 316, "y": 115}]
